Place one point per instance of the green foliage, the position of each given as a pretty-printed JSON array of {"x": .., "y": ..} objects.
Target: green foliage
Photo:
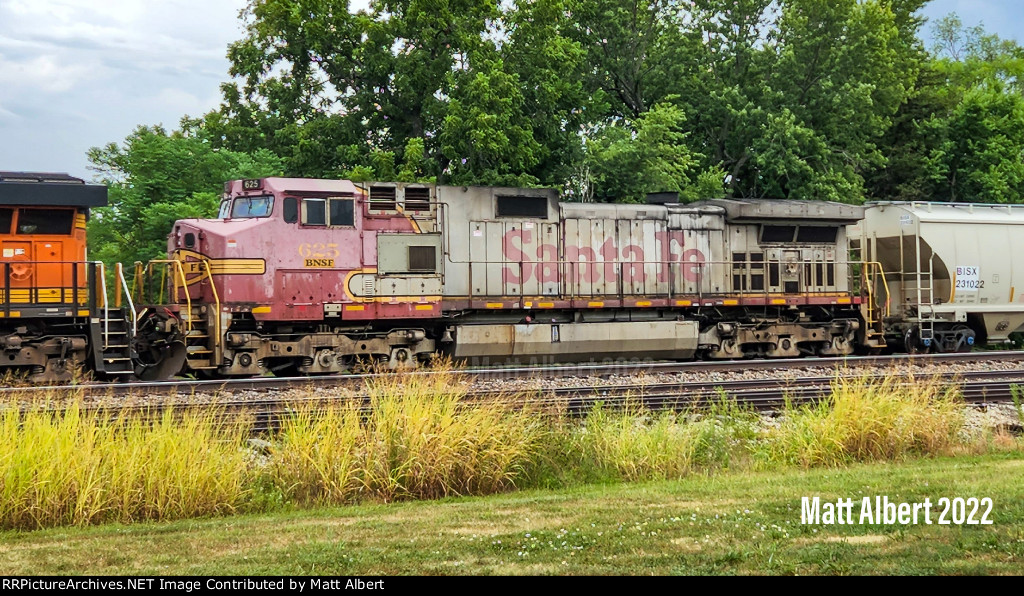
[
  {"x": 486, "y": 138},
  {"x": 648, "y": 154},
  {"x": 980, "y": 158},
  {"x": 156, "y": 178},
  {"x": 609, "y": 99},
  {"x": 959, "y": 137}
]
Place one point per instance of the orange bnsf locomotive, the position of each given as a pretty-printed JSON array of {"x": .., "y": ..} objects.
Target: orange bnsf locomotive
[
  {"x": 301, "y": 276},
  {"x": 54, "y": 316}
]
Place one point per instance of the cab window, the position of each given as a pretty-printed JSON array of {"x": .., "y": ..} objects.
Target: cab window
[
  {"x": 45, "y": 221},
  {"x": 333, "y": 211},
  {"x": 291, "y": 210},
  {"x": 341, "y": 212},
  {"x": 225, "y": 209},
  {"x": 246, "y": 207},
  {"x": 6, "y": 218},
  {"x": 314, "y": 212}
]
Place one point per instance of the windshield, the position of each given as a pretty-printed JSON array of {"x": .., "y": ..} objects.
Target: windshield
[
  {"x": 243, "y": 207},
  {"x": 225, "y": 209}
]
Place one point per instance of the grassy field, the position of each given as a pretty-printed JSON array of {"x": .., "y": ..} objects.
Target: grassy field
[{"x": 734, "y": 522}]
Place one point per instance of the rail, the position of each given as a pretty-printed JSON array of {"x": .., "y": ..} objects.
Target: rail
[{"x": 582, "y": 279}]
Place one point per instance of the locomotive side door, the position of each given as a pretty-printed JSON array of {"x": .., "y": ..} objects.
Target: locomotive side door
[{"x": 784, "y": 269}]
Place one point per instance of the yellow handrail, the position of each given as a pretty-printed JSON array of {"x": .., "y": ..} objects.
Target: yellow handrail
[
  {"x": 138, "y": 283},
  {"x": 216, "y": 301},
  {"x": 869, "y": 278},
  {"x": 180, "y": 279},
  {"x": 188, "y": 296}
]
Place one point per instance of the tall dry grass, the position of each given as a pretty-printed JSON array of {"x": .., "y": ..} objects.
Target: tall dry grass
[
  {"x": 867, "y": 419},
  {"x": 80, "y": 466},
  {"x": 418, "y": 439}
]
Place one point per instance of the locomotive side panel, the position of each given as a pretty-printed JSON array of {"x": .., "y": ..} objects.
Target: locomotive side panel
[{"x": 509, "y": 273}]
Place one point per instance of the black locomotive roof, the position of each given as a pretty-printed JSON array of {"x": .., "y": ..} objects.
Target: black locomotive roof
[
  {"x": 41, "y": 188},
  {"x": 753, "y": 210}
]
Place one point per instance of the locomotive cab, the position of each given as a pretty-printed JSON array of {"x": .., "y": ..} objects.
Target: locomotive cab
[{"x": 299, "y": 275}]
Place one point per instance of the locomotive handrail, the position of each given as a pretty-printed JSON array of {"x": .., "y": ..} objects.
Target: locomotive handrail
[
  {"x": 106, "y": 309},
  {"x": 66, "y": 291},
  {"x": 180, "y": 278},
  {"x": 573, "y": 284},
  {"x": 216, "y": 301},
  {"x": 188, "y": 296},
  {"x": 128, "y": 296},
  {"x": 885, "y": 284}
]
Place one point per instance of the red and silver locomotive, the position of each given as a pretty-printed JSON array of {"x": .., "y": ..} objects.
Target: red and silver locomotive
[{"x": 310, "y": 276}]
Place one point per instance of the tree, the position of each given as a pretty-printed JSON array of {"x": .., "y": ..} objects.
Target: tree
[
  {"x": 791, "y": 98},
  {"x": 631, "y": 158},
  {"x": 980, "y": 159},
  {"x": 551, "y": 68},
  {"x": 958, "y": 137},
  {"x": 156, "y": 178},
  {"x": 486, "y": 138}
]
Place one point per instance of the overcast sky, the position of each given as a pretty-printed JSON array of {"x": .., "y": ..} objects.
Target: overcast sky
[{"x": 80, "y": 73}]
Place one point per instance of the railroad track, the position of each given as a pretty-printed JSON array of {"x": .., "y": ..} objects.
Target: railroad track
[
  {"x": 978, "y": 388},
  {"x": 602, "y": 370}
]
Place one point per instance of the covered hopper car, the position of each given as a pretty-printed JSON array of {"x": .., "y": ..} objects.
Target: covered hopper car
[{"x": 955, "y": 272}]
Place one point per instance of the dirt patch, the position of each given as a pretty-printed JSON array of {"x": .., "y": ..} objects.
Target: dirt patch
[
  {"x": 866, "y": 539},
  {"x": 687, "y": 544}
]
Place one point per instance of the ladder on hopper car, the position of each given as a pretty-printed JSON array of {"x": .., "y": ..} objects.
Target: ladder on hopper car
[{"x": 918, "y": 290}]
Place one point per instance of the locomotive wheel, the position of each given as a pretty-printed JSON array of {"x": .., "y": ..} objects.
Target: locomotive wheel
[{"x": 911, "y": 341}]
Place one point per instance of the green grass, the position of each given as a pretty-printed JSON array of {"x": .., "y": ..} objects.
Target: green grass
[{"x": 729, "y": 523}]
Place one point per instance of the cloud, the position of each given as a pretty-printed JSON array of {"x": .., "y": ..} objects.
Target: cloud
[
  {"x": 42, "y": 73},
  {"x": 81, "y": 73},
  {"x": 6, "y": 114}
]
